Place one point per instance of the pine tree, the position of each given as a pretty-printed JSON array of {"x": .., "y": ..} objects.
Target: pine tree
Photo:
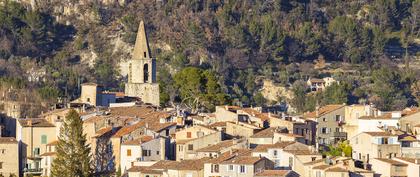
[{"x": 73, "y": 154}]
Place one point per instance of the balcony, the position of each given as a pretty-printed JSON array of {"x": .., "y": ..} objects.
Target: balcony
[
  {"x": 340, "y": 134},
  {"x": 33, "y": 171}
]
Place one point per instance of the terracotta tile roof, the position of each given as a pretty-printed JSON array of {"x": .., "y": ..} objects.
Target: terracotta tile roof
[
  {"x": 132, "y": 111},
  {"x": 321, "y": 167},
  {"x": 323, "y": 110},
  {"x": 220, "y": 124},
  {"x": 291, "y": 135},
  {"x": 118, "y": 94},
  {"x": 194, "y": 164},
  {"x": 266, "y": 133},
  {"x": 392, "y": 162},
  {"x": 316, "y": 80},
  {"x": 104, "y": 131},
  {"x": 411, "y": 160},
  {"x": 163, "y": 164},
  {"x": 218, "y": 147},
  {"x": 410, "y": 111},
  {"x": 230, "y": 154},
  {"x": 301, "y": 152},
  {"x": 384, "y": 116},
  {"x": 94, "y": 119},
  {"x": 149, "y": 123},
  {"x": 417, "y": 125},
  {"x": 315, "y": 162},
  {"x": 278, "y": 145},
  {"x": 245, "y": 160},
  {"x": 35, "y": 122},
  {"x": 257, "y": 114},
  {"x": 407, "y": 137},
  {"x": 379, "y": 133},
  {"x": 144, "y": 170},
  {"x": 336, "y": 169},
  {"x": 53, "y": 143},
  {"x": 49, "y": 154},
  {"x": 8, "y": 140},
  {"x": 138, "y": 141},
  {"x": 276, "y": 173}
]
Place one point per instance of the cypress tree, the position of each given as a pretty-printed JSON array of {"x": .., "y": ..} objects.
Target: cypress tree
[{"x": 73, "y": 154}]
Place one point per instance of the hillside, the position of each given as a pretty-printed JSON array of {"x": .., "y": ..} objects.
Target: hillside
[{"x": 225, "y": 46}]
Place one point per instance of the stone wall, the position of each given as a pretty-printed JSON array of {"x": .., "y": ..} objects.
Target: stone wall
[{"x": 149, "y": 93}]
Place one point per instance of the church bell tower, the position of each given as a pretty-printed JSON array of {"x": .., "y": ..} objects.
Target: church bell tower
[{"x": 142, "y": 71}]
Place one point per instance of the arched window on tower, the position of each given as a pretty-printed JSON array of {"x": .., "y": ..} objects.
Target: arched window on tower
[{"x": 146, "y": 73}]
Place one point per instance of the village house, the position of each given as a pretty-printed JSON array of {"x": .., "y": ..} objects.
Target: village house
[
  {"x": 316, "y": 84},
  {"x": 413, "y": 165},
  {"x": 333, "y": 167},
  {"x": 216, "y": 150},
  {"x": 286, "y": 154},
  {"x": 193, "y": 138},
  {"x": 9, "y": 159},
  {"x": 386, "y": 167},
  {"x": 144, "y": 148},
  {"x": 244, "y": 166},
  {"x": 298, "y": 126},
  {"x": 240, "y": 129},
  {"x": 352, "y": 115},
  {"x": 369, "y": 145},
  {"x": 33, "y": 135},
  {"x": 273, "y": 135},
  {"x": 186, "y": 168},
  {"x": 330, "y": 119},
  {"x": 48, "y": 157},
  {"x": 409, "y": 120}
]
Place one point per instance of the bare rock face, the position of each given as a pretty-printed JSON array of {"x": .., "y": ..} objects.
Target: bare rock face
[{"x": 272, "y": 92}]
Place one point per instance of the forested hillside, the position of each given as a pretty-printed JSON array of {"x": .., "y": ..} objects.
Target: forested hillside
[{"x": 212, "y": 52}]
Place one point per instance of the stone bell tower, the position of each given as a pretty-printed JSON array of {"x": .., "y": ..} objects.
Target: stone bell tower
[{"x": 142, "y": 71}]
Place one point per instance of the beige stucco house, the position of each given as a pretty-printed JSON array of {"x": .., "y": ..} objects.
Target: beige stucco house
[
  {"x": 33, "y": 135},
  {"x": 9, "y": 159},
  {"x": 330, "y": 119},
  {"x": 386, "y": 167},
  {"x": 370, "y": 145}
]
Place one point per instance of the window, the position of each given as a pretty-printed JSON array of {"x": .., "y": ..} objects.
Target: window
[
  {"x": 324, "y": 119},
  {"x": 337, "y": 118},
  {"x": 290, "y": 162},
  {"x": 147, "y": 153},
  {"x": 188, "y": 134},
  {"x": 357, "y": 140},
  {"x": 337, "y": 129},
  {"x": 324, "y": 130},
  {"x": 180, "y": 148},
  {"x": 3, "y": 151},
  {"x": 167, "y": 132},
  {"x": 1, "y": 165},
  {"x": 190, "y": 147},
  {"x": 44, "y": 139},
  {"x": 230, "y": 168},
  {"x": 215, "y": 168},
  {"x": 318, "y": 174},
  {"x": 146, "y": 73},
  {"x": 157, "y": 152},
  {"x": 36, "y": 151},
  {"x": 275, "y": 153},
  {"x": 144, "y": 53},
  {"x": 88, "y": 100},
  {"x": 313, "y": 158},
  {"x": 242, "y": 169},
  {"x": 398, "y": 169},
  {"x": 276, "y": 163},
  {"x": 128, "y": 152}
]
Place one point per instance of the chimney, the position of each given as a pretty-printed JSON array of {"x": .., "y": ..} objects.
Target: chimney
[
  {"x": 317, "y": 111},
  {"x": 29, "y": 122}
]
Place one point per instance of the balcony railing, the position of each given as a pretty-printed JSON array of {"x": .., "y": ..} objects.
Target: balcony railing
[
  {"x": 33, "y": 170},
  {"x": 340, "y": 134}
]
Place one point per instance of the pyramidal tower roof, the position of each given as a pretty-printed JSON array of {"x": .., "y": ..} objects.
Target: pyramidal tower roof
[{"x": 141, "y": 48}]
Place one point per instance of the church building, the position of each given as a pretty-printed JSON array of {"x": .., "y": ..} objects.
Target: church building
[{"x": 142, "y": 71}]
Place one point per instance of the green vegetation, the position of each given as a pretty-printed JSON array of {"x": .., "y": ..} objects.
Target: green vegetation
[
  {"x": 233, "y": 46},
  {"x": 73, "y": 154},
  {"x": 341, "y": 149}
]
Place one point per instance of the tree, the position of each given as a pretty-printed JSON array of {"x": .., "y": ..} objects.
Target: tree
[
  {"x": 299, "y": 91},
  {"x": 335, "y": 94},
  {"x": 73, "y": 154},
  {"x": 341, "y": 149}
]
